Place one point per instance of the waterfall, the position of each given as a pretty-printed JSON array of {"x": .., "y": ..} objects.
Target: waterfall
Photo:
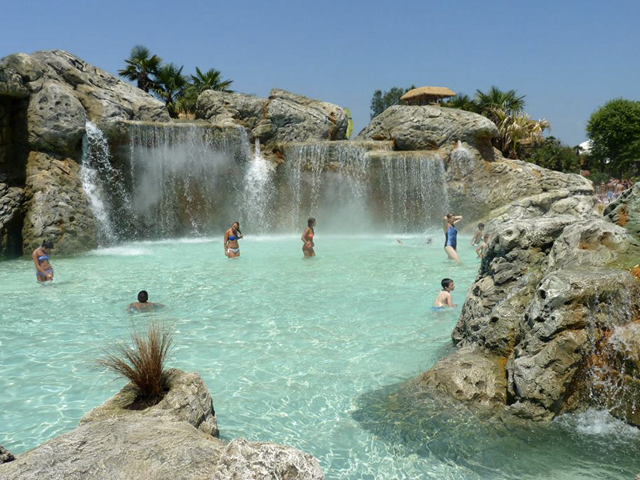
[
  {"x": 328, "y": 179},
  {"x": 97, "y": 175},
  {"x": 185, "y": 179},
  {"x": 462, "y": 161},
  {"x": 414, "y": 191},
  {"x": 258, "y": 192}
]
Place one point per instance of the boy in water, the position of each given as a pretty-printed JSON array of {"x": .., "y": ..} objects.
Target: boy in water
[
  {"x": 483, "y": 245},
  {"x": 143, "y": 305},
  {"x": 476, "y": 238},
  {"x": 444, "y": 300}
]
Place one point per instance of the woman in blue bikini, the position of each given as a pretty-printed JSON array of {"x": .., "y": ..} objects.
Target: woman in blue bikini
[
  {"x": 451, "y": 235},
  {"x": 44, "y": 272},
  {"x": 231, "y": 236}
]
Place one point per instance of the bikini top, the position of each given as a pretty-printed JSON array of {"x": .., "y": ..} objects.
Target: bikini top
[
  {"x": 232, "y": 238},
  {"x": 310, "y": 235},
  {"x": 42, "y": 258}
]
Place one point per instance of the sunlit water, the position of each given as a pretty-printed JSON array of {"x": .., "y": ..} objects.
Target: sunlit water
[{"x": 299, "y": 352}]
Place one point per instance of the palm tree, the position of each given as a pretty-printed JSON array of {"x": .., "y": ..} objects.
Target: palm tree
[
  {"x": 141, "y": 65},
  {"x": 170, "y": 86},
  {"x": 495, "y": 98},
  {"x": 518, "y": 131},
  {"x": 462, "y": 102},
  {"x": 209, "y": 80}
]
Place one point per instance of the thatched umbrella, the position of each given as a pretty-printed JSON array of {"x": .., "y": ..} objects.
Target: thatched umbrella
[{"x": 426, "y": 95}]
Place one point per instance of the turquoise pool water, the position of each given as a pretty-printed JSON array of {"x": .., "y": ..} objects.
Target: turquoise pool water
[{"x": 293, "y": 351}]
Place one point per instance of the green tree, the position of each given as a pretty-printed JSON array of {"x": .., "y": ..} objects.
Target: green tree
[
  {"x": 614, "y": 130},
  {"x": 517, "y": 132},
  {"x": 383, "y": 100},
  {"x": 462, "y": 102},
  {"x": 553, "y": 154},
  {"x": 494, "y": 98},
  {"x": 201, "y": 81},
  {"x": 141, "y": 67},
  {"x": 170, "y": 86}
]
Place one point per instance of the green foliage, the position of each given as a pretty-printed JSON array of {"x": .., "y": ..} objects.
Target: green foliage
[
  {"x": 508, "y": 101},
  {"x": 614, "y": 130},
  {"x": 166, "y": 82},
  {"x": 349, "y": 123},
  {"x": 141, "y": 67},
  {"x": 554, "y": 155},
  {"x": 143, "y": 363},
  {"x": 170, "y": 85},
  {"x": 383, "y": 100},
  {"x": 462, "y": 102}
]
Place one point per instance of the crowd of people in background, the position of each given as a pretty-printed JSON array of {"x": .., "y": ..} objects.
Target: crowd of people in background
[{"x": 611, "y": 190}]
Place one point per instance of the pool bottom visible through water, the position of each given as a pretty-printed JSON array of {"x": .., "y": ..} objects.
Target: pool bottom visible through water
[{"x": 293, "y": 351}]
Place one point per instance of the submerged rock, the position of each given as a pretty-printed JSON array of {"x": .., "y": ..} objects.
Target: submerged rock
[{"x": 171, "y": 440}]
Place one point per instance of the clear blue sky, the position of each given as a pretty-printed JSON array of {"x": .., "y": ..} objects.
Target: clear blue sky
[{"x": 567, "y": 57}]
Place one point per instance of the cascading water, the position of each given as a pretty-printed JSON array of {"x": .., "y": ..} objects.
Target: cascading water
[
  {"x": 258, "y": 192},
  {"x": 185, "y": 179},
  {"x": 97, "y": 176},
  {"x": 415, "y": 191},
  {"x": 462, "y": 161},
  {"x": 327, "y": 178}
]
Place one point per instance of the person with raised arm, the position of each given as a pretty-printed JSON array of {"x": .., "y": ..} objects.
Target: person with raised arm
[{"x": 451, "y": 235}]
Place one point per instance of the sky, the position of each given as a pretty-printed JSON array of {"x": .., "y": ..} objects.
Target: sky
[{"x": 567, "y": 57}]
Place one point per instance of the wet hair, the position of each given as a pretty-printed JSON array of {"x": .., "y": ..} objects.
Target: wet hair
[
  {"x": 446, "y": 282},
  {"x": 481, "y": 226},
  {"x": 486, "y": 236},
  {"x": 310, "y": 222},
  {"x": 238, "y": 230},
  {"x": 143, "y": 296},
  {"x": 47, "y": 244}
]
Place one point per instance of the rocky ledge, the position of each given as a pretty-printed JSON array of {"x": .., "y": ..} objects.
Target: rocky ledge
[
  {"x": 175, "y": 439},
  {"x": 551, "y": 323}
]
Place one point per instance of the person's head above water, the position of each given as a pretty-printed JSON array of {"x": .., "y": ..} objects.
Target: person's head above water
[
  {"x": 48, "y": 244},
  {"x": 447, "y": 284},
  {"x": 481, "y": 226},
  {"x": 486, "y": 237},
  {"x": 235, "y": 226},
  {"x": 311, "y": 222},
  {"x": 143, "y": 296}
]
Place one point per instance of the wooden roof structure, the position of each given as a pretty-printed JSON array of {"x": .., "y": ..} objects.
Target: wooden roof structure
[{"x": 426, "y": 95}]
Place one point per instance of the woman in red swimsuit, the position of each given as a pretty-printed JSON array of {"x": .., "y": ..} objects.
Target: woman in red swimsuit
[{"x": 307, "y": 238}]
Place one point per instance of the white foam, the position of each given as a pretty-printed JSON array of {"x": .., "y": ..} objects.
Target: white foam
[
  {"x": 122, "y": 251},
  {"x": 598, "y": 423}
]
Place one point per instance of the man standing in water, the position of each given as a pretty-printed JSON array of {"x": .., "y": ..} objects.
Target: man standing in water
[{"x": 40, "y": 256}]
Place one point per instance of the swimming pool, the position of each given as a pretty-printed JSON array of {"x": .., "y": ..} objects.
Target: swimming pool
[{"x": 293, "y": 351}]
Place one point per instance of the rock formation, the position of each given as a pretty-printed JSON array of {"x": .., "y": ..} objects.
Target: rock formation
[
  {"x": 281, "y": 118},
  {"x": 5, "y": 455},
  {"x": 175, "y": 439},
  {"x": 549, "y": 310},
  {"x": 45, "y": 101}
]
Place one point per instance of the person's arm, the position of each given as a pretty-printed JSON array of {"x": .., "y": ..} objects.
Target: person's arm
[
  {"x": 450, "y": 301},
  {"x": 480, "y": 249},
  {"x": 457, "y": 219},
  {"x": 304, "y": 237}
]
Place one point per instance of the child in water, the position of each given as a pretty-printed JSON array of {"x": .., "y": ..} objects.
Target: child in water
[
  {"x": 483, "y": 245},
  {"x": 444, "y": 299},
  {"x": 476, "y": 238}
]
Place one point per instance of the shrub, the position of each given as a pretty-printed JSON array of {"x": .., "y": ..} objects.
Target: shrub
[{"x": 143, "y": 363}]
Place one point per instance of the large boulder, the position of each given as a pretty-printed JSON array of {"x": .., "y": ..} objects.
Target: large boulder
[
  {"x": 284, "y": 117},
  {"x": 172, "y": 440},
  {"x": 64, "y": 91},
  {"x": 412, "y": 127},
  {"x": 56, "y": 206},
  {"x": 549, "y": 293},
  {"x": 625, "y": 211},
  {"x": 5, "y": 455}
]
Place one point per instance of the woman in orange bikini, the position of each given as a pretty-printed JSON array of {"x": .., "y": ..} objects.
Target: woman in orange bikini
[{"x": 307, "y": 238}]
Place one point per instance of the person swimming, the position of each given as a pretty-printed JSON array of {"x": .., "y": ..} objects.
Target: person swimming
[
  {"x": 451, "y": 235},
  {"x": 307, "y": 238},
  {"x": 143, "y": 305},
  {"x": 444, "y": 299},
  {"x": 231, "y": 237},
  {"x": 40, "y": 256}
]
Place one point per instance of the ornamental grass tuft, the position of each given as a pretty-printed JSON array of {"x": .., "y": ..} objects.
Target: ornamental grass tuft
[{"x": 143, "y": 363}]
